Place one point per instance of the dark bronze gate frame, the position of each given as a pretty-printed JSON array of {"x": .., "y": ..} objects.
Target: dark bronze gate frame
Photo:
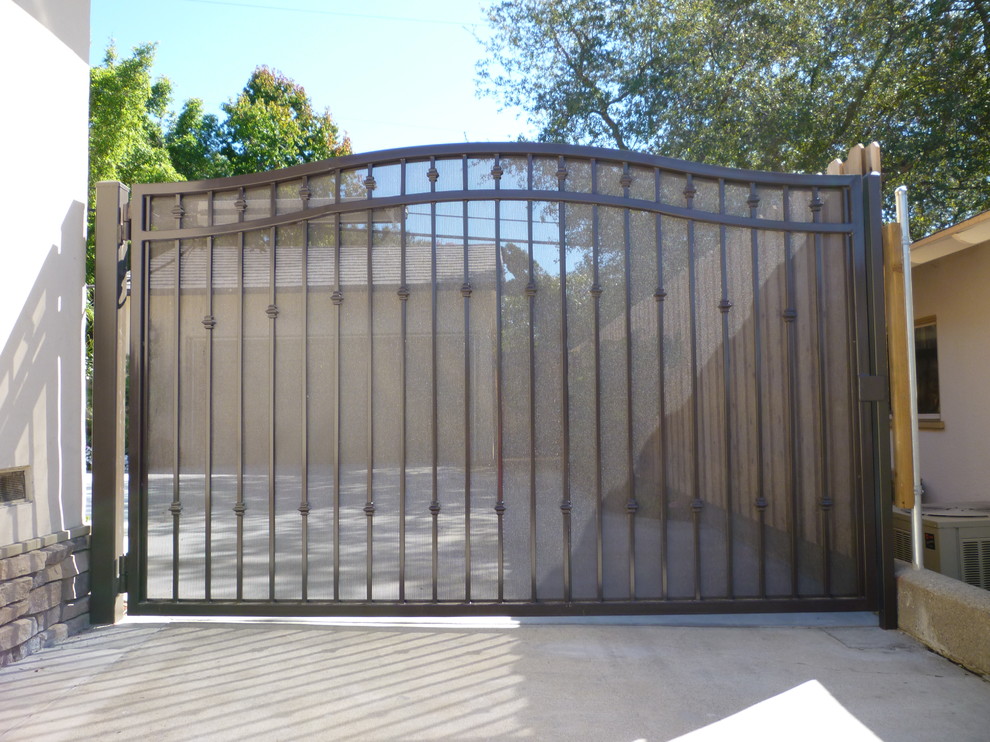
[{"x": 863, "y": 204}]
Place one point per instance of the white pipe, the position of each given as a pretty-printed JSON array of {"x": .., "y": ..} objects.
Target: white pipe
[{"x": 917, "y": 538}]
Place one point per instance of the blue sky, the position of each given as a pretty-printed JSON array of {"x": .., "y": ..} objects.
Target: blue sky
[{"x": 392, "y": 73}]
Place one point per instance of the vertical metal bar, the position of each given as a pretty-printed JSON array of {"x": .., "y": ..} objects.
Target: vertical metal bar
[
  {"x": 338, "y": 299},
  {"x": 435, "y": 502},
  {"x": 304, "y": 507},
  {"x": 403, "y": 294},
  {"x": 631, "y": 504},
  {"x": 790, "y": 317},
  {"x": 917, "y": 527},
  {"x": 662, "y": 469},
  {"x": 272, "y": 315},
  {"x": 872, "y": 350},
  {"x": 826, "y": 501},
  {"x": 240, "y": 506},
  {"x": 176, "y": 507},
  {"x": 596, "y": 293},
  {"x": 855, "y": 440},
  {"x": 208, "y": 323},
  {"x": 137, "y": 534},
  {"x": 499, "y": 431},
  {"x": 724, "y": 305},
  {"x": 697, "y": 504},
  {"x": 109, "y": 373},
  {"x": 466, "y": 293},
  {"x": 531, "y": 301},
  {"x": 565, "y": 415},
  {"x": 761, "y": 503},
  {"x": 369, "y": 502}
]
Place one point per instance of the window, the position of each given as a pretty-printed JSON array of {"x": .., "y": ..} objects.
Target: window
[{"x": 926, "y": 360}]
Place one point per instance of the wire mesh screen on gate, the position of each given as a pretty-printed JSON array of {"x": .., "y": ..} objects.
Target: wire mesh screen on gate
[{"x": 559, "y": 376}]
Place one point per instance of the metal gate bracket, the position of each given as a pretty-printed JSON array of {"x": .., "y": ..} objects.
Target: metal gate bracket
[
  {"x": 873, "y": 388},
  {"x": 121, "y": 574},
  {"x": 124, "y": 230}
]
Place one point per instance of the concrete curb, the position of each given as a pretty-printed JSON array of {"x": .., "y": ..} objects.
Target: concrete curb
[{"x": 947, "y": 615}]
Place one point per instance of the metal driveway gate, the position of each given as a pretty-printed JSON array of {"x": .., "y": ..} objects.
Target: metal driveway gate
[{"x": 505, "y": 378}]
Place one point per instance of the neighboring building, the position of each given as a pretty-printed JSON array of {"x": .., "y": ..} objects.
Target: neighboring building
[
  {"x": 951, "y": 276},
  {"x": 44, "y": 46}
]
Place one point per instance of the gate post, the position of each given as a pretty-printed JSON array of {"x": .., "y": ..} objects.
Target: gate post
[
  {"x": 110, "y": 332},
  {"x": 879, "y": 412}
]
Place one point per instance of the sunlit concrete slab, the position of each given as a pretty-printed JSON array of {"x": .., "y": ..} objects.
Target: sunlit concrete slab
[{"x": 498, "y": 678}]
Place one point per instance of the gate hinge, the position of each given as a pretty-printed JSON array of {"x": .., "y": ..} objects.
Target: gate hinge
[
  {"x": 121, "y": 574},
  {"x": 872, "y": 388},
  {"x": 124, "y": 229}
]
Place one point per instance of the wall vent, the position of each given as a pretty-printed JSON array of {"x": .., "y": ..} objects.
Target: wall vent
[
  {"x": 976, "y": 562},
  {"x": 13, "y": 485},
  {"x": 902, "y": 545}
]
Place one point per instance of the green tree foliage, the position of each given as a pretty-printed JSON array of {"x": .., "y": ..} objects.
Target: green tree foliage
[
  {"x": 126, "y": 134},
  {"x": 762, "y": 84},
  {"x": 271, "y": 124},
  {"x": 134, "y": 139},
  {"x": 195, "y": 143}
]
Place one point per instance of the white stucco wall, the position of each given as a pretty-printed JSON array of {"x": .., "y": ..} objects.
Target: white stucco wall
[
  {"x": 955, "y": 462},
  {"x": 43, "y": 147}
]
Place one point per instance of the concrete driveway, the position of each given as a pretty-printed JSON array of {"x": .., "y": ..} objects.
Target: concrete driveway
[{"x": 811, "y": 677}]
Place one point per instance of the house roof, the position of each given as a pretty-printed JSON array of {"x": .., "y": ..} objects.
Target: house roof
[{"x": 973, "y": 231}]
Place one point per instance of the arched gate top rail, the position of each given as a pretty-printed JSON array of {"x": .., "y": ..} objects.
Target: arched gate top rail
[{"x": 507, "y": 171}]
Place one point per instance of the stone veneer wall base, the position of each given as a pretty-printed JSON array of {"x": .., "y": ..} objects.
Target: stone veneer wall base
[{"x": 44, "y": 592}]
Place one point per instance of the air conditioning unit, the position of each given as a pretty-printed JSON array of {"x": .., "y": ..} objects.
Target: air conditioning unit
[{"x": 956, "y": 540}]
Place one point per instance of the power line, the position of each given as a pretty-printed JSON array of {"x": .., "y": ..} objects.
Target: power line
[{"x": 312, "y": 11}]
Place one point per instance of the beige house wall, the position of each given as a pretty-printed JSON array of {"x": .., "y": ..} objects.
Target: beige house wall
[
  {"x": 955, "y": 461},
  {"x": 43, "y": 146}
]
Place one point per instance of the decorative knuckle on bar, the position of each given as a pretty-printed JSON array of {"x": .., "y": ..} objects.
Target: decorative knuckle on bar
[
  {"x": 209, "y": 322},
  {"x": 175, "y": 508},
  {"x": 789, "y": 314},
  {"x": 433, "y": 174},
  {"x": 466, "y": 290},
  {"x": 403, "y": 293},
  {"x": 370, "y": 183},
  {"x": 272, "y": 311},
  {"x": 659, "y": 295},
  {"x": 531, "y": 289},
  {"x": 724, "y": 306},
  {"x": 337, "y": 298}
]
